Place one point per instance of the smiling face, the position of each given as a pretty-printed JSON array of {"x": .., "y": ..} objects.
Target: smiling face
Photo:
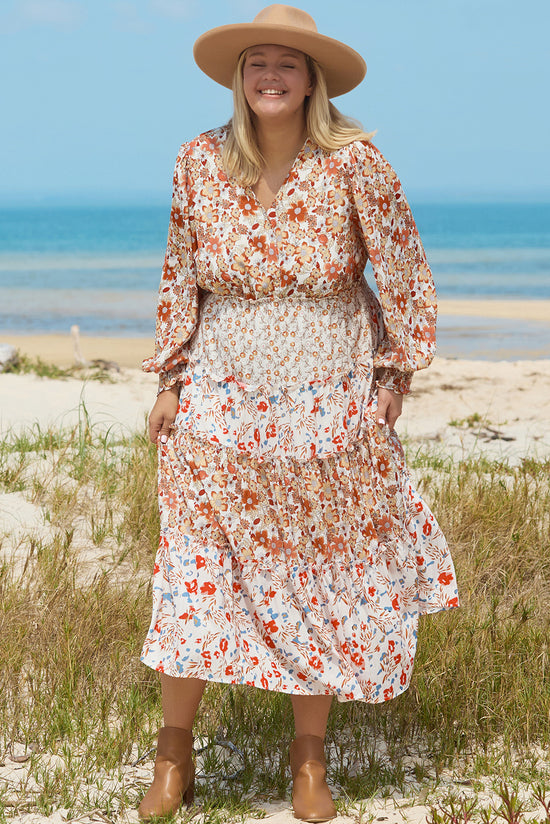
[{"x": 276, "y": 82}]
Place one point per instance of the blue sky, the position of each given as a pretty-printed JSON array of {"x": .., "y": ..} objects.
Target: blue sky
[{"x": 97, "y": 95}]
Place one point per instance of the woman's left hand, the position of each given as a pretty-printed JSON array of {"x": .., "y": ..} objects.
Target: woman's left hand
[{"x": 390, "y": 406}]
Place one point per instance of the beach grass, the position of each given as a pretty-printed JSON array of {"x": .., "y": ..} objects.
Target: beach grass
[
  {"x": 24, "y": 364},
  {"x": 75, "y": 608}
]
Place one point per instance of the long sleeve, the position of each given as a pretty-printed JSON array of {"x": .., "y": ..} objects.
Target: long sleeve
[
  {"x": 403, "y": 277},
  {"x": 178, "y": 303}
]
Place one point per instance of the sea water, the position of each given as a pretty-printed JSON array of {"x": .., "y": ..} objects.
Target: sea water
[{"x": 99, "y": 267}]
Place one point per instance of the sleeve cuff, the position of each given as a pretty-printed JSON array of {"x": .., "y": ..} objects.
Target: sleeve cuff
[
  {"x": 389, "y": 378},
  {"x": 169, "y": 379}
]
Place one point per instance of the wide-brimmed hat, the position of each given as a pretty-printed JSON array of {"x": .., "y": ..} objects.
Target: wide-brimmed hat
[{"x": 217, "y": 50}]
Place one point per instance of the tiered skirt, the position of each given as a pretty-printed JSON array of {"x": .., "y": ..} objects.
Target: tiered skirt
[{"x": 295, "y": 554}]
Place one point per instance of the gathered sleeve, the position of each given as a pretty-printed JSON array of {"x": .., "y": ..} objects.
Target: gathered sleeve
[
  {"x": 178, "y": 302},
  {"x": 403, "y": 277}
]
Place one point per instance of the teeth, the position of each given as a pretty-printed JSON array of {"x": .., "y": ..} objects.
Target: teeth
[{"x": 271, "y": 91}]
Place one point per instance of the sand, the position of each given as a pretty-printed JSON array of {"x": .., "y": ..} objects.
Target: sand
[
  {"x": 463, "y": 407},
  {"x": 528, "y": 310},
  {"x": 409, "y": 807},
  {"x": 458, "y": 407},
  {"x": 27, "y": 400},
  {"x": 59, "y": 349}
]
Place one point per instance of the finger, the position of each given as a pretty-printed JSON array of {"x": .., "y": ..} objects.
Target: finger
[
  {"x": 393, "y": 414},
  {"x": 381, "y": 413},
  {"x": 154, "y": 428},
  {"x": 158, "y": 425},
  {"x": 166, "y": 430}
]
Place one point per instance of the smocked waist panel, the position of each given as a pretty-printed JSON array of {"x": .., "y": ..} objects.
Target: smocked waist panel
[{"x": 284, "y": 341}]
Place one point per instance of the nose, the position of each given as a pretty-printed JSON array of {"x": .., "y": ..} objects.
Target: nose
[{"x": 270, "y": 73}]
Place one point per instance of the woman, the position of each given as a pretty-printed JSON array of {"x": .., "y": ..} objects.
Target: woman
[{"x": 294, "y": 554}]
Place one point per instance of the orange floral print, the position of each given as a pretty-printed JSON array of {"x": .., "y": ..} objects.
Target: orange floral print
[{"x": 298, "y": 211}]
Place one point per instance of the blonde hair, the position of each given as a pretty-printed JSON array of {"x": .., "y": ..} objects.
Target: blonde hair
[{"x": 325, "y": 125}]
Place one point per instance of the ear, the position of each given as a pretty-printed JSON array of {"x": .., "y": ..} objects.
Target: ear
[{"x": 311, "y": 74}]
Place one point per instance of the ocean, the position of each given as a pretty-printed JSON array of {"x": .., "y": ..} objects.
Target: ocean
[{"x": 99, "y": 267}]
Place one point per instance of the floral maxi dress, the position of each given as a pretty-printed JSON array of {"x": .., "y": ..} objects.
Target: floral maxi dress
[{"x": 294, "y": 553}]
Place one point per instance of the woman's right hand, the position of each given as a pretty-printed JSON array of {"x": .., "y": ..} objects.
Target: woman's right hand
[{"x": 163, "y": 415}]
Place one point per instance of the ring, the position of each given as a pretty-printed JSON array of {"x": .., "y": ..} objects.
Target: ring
[{"x": 172, "y": 426}]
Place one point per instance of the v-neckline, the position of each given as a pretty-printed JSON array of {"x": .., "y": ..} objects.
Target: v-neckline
[{"x": 299, "y": 158}]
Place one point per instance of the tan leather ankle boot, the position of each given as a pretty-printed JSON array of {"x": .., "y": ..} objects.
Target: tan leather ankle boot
[
  {"x": 311, "y": 798},
  {"x": 174, "y": 777}
]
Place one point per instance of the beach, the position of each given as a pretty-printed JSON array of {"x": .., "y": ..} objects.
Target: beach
[{"x": 460, "y": 407}]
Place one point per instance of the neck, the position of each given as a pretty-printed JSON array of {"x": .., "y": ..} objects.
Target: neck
[{"x": 280, "y": 143}]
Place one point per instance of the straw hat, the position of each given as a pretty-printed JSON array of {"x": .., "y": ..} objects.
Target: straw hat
[{"x": 217, "y": 51}]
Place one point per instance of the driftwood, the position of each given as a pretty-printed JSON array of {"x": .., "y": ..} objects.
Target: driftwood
[
  {"x": 8, "y": 356},
  {"x": 80, "y": 360}
]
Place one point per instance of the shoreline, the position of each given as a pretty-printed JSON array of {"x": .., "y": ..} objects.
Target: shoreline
[{"x": 469, "y": 329}]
